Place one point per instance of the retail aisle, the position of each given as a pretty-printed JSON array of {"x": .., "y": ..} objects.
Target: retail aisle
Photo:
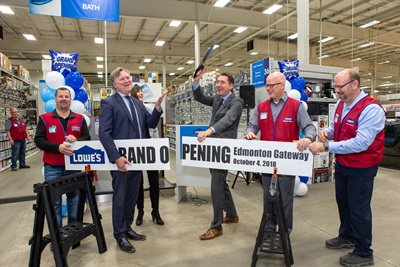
[{"x": 177, "y": 244}]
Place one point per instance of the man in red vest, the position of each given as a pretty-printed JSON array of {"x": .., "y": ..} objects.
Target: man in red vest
[
  {"x": 16, "y": 131},
  {"x": 280, "y": 118},
  {"x": 357, "y": 131}
]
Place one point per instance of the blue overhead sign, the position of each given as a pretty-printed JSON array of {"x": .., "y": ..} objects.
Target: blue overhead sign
[
  {"x": 107, "y": 10},
  {"x": 260, "y": 71}
]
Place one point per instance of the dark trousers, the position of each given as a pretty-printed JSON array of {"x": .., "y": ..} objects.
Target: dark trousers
[
  {"x": 18, "y": 153},
  {"x": 125, "y": 193},
  {"x": 154, "y": 191},
  {"x": 354, "y": 188},
  {"x": 221, "y": 198}
]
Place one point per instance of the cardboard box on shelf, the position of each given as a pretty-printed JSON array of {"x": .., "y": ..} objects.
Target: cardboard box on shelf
[
  {"x": 7, "y": 80},
  {"x": 17, "y": 70}
]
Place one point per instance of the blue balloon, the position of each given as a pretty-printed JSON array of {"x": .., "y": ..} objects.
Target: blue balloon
[
  {"x": 304, "y": 96},
  {"x": 81, "y": 95},
  {"x": 50, "y": 105},
  {"x": 75, "y": 80},
  {"x": 303, "y": 179},
  {"x": 47, "y": 94},
  {"x": 298, "y": 83}
]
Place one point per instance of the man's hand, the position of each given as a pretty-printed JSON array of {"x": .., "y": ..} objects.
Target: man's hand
[
  {"x": 303, "y": 143},
  {"x": 250, "y": 136},
  {"x": 317, "y": 147},
  {"x": 202, "y": 135},
  {"x": 121, "y": 162},
  {"x": 160, "y": 99},
  {"x": 198, "y": 77},
  {"x": 65, "y": 148},
  {"x": 323, "y": 136}
]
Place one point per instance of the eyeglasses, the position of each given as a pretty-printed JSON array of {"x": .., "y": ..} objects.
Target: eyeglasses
[
  {"x": 341, "y": 86},
  {"x": 271, "y": 85}
]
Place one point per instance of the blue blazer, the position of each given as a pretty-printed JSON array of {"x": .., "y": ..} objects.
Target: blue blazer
[{"x": 115, "y": 122}]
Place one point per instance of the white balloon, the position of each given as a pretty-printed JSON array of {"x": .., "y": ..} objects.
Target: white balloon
[
  {"x": 305, "y": 104},
  {"x": 302, "y": 190},
  {"x": 297, "y": 182},
  {"x": 294, "y": 94},
  {"x": 77, "y": 107},
  {"x": 43, "y": 171},
  {"x": 288, "y": 86},
  {"x": 87, "y": 119},
  {"x": 54, "y": 79}
]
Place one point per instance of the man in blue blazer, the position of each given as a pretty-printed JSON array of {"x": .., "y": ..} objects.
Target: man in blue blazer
[{"x": 124, "y": 117}]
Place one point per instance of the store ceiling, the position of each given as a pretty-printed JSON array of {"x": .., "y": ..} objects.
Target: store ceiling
[{"x": 143, "y": 22}]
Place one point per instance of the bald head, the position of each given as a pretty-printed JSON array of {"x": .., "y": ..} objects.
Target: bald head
[{"x": 276, "y": 85}]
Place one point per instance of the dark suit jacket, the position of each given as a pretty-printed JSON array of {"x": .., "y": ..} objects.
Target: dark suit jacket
[
  {"x": 115, "y": 122},
  {"x": 224, "y": 120}
]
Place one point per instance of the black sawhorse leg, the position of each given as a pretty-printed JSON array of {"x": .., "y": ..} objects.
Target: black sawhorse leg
[
  {"x": 273, "y": 242},
  {"x": 247, "y": 176},
  {"x": 70, "y": 235}
]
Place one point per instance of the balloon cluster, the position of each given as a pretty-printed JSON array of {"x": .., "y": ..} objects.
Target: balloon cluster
[
  {"x": 300, "y": 186},
  {"x": 72, "y": 80},
  {"x": 295, "y": 86}
]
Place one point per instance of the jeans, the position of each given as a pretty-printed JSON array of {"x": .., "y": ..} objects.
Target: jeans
[
  {"x": 18, "y": 152},
  {"x": 51, "y": 173}
]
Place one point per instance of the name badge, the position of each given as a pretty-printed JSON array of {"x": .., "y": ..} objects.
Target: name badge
[
  {"x": 76, "y": 128},
  {"x": 52, "y": 129},
  {"x": 15, "y": 125},
  {"x": 263, "y": 115}
]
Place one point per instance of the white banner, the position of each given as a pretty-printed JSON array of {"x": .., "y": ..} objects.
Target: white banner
[
  {"x": 144, "y": 154},
  {"x": 246, "y": 155}
]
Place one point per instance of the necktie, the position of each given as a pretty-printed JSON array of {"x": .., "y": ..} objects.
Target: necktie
[
  {"x": 134, "y": 114},
  {"x": 220, "y": 103}
]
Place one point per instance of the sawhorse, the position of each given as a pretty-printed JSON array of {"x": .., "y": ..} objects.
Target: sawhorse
[
  {"x": 68, "y": 236},
  {"x": 271, "y": 241}
]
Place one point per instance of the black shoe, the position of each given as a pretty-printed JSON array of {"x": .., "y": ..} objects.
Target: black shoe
[
  {"x": 156, "y": 217},
  {"x": 14, "y": 169},
  {"x": 24, "y": 167},
  {"x": 352, "y": 260},
  {"x": 139, "y": 219},
  {"x": 135, "y": 236},
  {"x": 338, "y": 243},
  {"x": 125, "y": 245}
]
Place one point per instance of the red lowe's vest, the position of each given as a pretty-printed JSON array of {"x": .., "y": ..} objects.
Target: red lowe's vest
[
  {"x": 55, "y": 133},
  {"x": 285, "y": 128},
  {"x": 347, "y": 129},
  {"x": 17, "y": 131}
]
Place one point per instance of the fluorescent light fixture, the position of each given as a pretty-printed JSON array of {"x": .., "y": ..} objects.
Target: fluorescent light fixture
[
  {"x": 160, "y": 43},
  {"x": 6, "y": 10},
  {"x": 172, "y": 74},
  {"x": 293, "y": 36},
  {"x": 376, "y": 91},
  {"x": 221, "y": 3},
  {"x": 100, "y": 75},
  {"x": 327, "y": 39},
  {"x": 216, "y": 69},
  {"x": 99, "y": 72},
  {"x": 46, "y": 56},
  {"x": 228, "y": 64},
  {"x": 190, "y": 62},
  {"x": 253, "y": 53},
  {"x": 147, "y": 60},
  {"x": 324, "y": 56},
  {"x": 355, "y": 59},
  {"x": 272, "y": 9},
  {"x": 100, "y": 66},
  {"x": 374, "y": 22},
  {"x": 387, "y": 77},
  {"x": 99, "y": 58},
  {"x": 387, "y": 84},
  {"x": 240, "y": 29},
  {"x": 142, "y": 67},
  {"x": 29, "y": 37},
  {"x": 175, "y": 23},
  {"x": 366, "y": 45},
  {"x": 216, "y": 46},
  {"x": 180, "y": 68},
  {"x": 98, "y": 40},
  {"x": 384, "y": 62}
]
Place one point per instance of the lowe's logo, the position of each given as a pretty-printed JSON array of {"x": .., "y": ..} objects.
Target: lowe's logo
[{"x": 87, "y": 155}]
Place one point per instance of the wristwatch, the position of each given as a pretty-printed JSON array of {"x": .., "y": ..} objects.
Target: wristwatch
[{"x": 326, "y": 146}]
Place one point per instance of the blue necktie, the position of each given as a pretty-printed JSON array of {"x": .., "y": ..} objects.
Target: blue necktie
[
  {"x": 134, "y": 115},
  {"x": 220, "y": 103}
]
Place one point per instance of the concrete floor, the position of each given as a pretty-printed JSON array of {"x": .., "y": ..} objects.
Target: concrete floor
[{"x": 177, "y": 243}]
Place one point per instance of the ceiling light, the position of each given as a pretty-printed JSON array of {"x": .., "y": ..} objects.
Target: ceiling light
[
  {"x": 215, "y": 46},
  {"x": 376, "y": 91},
  {"x": 216, "y": 69},
  {"x": 99, "y": 58},
  {"x": 142, "y": 67},
  {"x": 355, "y": 59},
  {"x": 100, "y": 66},
  {"x": 160, "y": 43},
  {"x": 46, "y": 56},
  {"x": 384, "y": 62},
  {"x": 327, "y": 39},
  {"x": 253, "y": 53},
  {"x": 190, "y": 62},
  {"x": 99, "y": 72},
  {"x": 293, "y": 36},
  {"x": 221, "y": 3},
  {"x": 366, "y": 45},
  {"x": 369, "y": 24},
  {"x": 147, "y": 60},
  {"x": 324, "y": 56},
  {"x": 228, "y": 64},
  {"x": 180, "y": 68},
  {"x": 387, "y": 77},
  {"x": 272, "y": 9},
  {"x": 100, "y": 76},
  {"x": 98, "y": 40},
  {"x": 240, "y": 29},
  {"x": 6, "y": 10},
  {"x": 172, "y": 74},
  {"x": 29, "y": 37},
  {"x": 175, "y": 23}
]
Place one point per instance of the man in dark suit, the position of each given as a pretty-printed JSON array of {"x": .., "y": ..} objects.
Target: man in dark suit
[
  {"x": 124, "y": 117},
  {"x": 226, "y": 111}
]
